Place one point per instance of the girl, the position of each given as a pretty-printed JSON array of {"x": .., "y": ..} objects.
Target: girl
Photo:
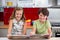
[
  {"x": 42, "y": 25},
  {"x": 16, "y": 22}
]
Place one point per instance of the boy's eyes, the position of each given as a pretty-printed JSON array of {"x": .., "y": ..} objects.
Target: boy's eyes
[{"x": 42, "y": 15}]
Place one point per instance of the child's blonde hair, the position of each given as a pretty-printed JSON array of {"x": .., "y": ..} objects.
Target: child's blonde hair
[{"x": 17, "y": 9}]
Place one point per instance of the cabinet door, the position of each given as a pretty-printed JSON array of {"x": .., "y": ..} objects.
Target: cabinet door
[
  {"x": 31, "y": 13},
  {"x": 1, "y": 16},
  {"x": 25, "y": 3},
  {"x": 7, "y": 14}
]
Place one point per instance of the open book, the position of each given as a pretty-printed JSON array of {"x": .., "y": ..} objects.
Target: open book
[{"x": 28, "y": 36}]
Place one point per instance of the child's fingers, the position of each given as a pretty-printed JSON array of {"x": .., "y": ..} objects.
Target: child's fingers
[{"x": 9, "y": 36}]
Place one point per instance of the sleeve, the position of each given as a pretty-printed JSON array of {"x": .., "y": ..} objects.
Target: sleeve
[
  {"x": 34, "y": 24},
  {"x": 48, "y": 24}
]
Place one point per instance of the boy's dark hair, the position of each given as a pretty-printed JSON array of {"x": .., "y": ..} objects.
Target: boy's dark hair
[{"x": 44, "y": 11}]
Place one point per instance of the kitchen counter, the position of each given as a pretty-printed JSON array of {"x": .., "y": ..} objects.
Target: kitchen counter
[{"x": 53, "y": 38}]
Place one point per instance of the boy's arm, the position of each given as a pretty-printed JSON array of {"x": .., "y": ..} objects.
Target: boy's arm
[
  {"x": 49, "y": 28},
  {"x": 50, "y": 31},
  {"x": 34, "y": 29}
]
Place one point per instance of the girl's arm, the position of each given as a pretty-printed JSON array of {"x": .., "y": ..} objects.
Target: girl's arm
[
  {"x": 10, "y": 27},
  {"x": 24, "y": 29}
]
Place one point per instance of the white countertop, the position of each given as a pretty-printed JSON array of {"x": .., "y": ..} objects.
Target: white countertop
[
  {"x": 53, "y": 38},
  {"x": 56, "y": 27}
]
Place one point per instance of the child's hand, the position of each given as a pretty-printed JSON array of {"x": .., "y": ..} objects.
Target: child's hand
[
  {"x": 47, "y": 36},
  {"x": 9, "y": 36},
  {"x": 32, "y": 33}
]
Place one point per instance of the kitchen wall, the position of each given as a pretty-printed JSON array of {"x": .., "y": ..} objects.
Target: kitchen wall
[
  {"x": 33, "y": 3},
  {"x": 4, "y": 2}
]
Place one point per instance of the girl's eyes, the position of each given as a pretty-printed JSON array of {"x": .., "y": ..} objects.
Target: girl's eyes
[{"x": 18, "y": 14}]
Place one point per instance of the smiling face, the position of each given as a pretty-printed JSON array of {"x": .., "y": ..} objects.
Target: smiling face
[
  {"x": 18, "y": 14},
  {"x": 42, "y": 18}
]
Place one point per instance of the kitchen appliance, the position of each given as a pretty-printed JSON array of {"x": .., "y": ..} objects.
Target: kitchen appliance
[
  {"x": 57, "y": 34},
  {"x": 54, "y": 16}
]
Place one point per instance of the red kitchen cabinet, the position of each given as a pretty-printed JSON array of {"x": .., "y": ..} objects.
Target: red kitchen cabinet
[
  {"x": 7, "y": 14},
  {"x": 30, "y": 13},
  {"x": 1, "y": 16}
]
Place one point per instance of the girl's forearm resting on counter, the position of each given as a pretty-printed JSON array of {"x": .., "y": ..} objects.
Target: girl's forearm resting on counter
[
  {"x": 10, "y": 27},
  {"x": 24, "y": 29}
]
